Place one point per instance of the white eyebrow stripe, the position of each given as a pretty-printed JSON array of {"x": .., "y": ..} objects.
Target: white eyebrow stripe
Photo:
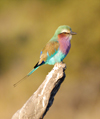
[{"x": 65, "y": 30}]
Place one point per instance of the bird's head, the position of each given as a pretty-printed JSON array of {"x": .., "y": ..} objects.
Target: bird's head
[{"x": 65, "y": 30}]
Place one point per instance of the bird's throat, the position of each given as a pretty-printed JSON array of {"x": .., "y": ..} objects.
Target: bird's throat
[{"x": 64, "y": 44}]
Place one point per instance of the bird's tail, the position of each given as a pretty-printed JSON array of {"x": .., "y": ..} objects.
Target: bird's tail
[
  {"x": 25, "y": 76},
  {"x": 32, "y": 71}
]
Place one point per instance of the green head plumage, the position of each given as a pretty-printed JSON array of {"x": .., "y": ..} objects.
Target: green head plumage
[{"x": 62, "y": 29}]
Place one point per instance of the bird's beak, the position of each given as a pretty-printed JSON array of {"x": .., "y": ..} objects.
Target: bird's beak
[{"x": 73, "y": 33}]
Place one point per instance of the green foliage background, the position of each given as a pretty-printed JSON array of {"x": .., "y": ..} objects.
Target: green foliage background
[{"x": 25, "y": 27}]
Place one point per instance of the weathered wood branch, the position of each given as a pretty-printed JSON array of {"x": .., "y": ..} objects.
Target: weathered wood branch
[{"x": 41, "y": 100}]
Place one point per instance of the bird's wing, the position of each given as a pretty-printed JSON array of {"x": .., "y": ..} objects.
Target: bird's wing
[{"x": 48, "y": 51}]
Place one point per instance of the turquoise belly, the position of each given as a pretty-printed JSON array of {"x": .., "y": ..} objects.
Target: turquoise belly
[{"x": 58, "y": 57}]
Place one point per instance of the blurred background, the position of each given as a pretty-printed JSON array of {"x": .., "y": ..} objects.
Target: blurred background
[{"x": 25, "y": 27}]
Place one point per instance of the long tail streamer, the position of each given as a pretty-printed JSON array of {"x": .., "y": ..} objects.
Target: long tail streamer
[{"x": 25, "y": 77}]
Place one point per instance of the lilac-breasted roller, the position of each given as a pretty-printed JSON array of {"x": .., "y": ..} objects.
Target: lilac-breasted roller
[{"x": 55, "y": 50}]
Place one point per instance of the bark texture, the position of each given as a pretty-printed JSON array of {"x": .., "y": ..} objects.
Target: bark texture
[{"x": 39, "y": 103}]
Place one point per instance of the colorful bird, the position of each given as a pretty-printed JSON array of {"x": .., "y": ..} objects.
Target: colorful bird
[{"x": 55, "y": 50}]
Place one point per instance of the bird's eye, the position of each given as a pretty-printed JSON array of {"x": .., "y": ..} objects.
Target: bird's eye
[
  {"x": 68, "y": 33},
  {"x": 64, "y": 32}
]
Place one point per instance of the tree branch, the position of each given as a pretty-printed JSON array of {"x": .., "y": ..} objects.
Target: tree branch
[{"x": 39, "y": 103}]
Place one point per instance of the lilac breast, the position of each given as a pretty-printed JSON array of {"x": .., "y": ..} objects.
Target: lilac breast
[{"x": 65, "y": 45}]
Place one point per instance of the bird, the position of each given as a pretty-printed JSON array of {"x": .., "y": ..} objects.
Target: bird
[{"x": 55, "y": 50}]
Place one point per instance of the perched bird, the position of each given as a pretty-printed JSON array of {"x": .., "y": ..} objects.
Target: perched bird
[{"x": 55, "y": 50}]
